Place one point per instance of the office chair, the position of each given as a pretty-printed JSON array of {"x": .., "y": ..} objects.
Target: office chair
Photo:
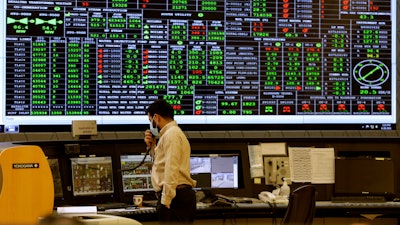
[{"x": 301, "y": 207}]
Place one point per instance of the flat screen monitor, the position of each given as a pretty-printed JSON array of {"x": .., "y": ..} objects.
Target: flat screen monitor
[
  {"x": 92, "y": 176},
  {"x": 222, "y": 64},
  {"x": 139, "y": 179},
  {"x": 215, "y": 170},
  {"x": 364, "y": 176}
]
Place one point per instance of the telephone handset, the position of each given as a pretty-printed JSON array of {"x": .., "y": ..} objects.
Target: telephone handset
[
  {"x": 267, "y": 196},
  {"x": 273, "y": 171}
]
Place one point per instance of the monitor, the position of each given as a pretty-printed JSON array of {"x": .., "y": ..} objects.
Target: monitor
[
  {"x": 139, "y": 179},
  {"x": 364, "y": 176},
  {"x": 215, "y": 170},
  {"x": 92, "y": 176},
  {"x": 222, "y": 64}
]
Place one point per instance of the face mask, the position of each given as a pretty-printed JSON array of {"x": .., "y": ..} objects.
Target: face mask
[{"x": 153, "y": 130}]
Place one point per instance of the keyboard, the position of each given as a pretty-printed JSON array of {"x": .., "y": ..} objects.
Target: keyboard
[
  {"x": 359, "y": 199},
  {"x": 111, "y": 205}
]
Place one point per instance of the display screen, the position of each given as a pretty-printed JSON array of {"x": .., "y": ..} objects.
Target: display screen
[
  {"x": 364, "y": 176},
  {"x": 138, "y": 179},
  {"x": 215, "y": 170},
  {"x": 218, "y": 62},
  {"x": 92, "y": 176}
]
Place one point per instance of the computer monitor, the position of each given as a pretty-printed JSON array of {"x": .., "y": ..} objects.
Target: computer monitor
[
  {"x": 92, "y": 176},
  {"x": 139, "y": 179},
  {"x": 215, "y": 170},
  {"x": 364, "y": 176}
]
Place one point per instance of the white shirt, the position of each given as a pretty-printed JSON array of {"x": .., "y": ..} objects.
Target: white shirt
[{"x": 171, "y": 166}]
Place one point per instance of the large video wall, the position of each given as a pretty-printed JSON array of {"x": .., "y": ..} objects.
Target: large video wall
[{"x": 293, "y": 62}]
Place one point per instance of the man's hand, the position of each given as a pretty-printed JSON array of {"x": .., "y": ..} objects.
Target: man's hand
[{"x": 149, "y": 139}]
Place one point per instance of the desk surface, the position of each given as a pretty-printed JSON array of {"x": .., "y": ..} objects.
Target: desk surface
[{"x": 323, "y": 209}]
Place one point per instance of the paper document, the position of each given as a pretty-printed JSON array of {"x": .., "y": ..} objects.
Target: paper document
[
  {"x": 322, "y": 166},
  {"x": 315, "y": 165},
  {"x": 256, "y": 161},
  {"x": 275, "y": 149},
  {"x": 300, "y": 164}
]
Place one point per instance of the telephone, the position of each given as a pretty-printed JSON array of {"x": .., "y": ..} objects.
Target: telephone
[
  {"x": 267, "y": 196},
  {"x": 273, "y": 171},
  {"x": 276, "y": 168}
]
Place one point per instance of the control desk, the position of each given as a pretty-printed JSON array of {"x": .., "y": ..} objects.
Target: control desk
[{"x": 259, "y": 210}]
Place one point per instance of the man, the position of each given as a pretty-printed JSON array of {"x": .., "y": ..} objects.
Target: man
[{"x": 171, "y": 167}]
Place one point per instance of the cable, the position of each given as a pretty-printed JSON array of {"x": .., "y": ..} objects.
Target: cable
[{"x": 273, "y": 207}]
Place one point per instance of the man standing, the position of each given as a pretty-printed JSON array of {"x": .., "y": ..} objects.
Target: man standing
[{"x": 171, "y": 167}]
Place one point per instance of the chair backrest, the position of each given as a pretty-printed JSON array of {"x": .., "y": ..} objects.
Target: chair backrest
[
  {"x": 301, "y": 207},
  {"x": 26, "y": 184}
]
